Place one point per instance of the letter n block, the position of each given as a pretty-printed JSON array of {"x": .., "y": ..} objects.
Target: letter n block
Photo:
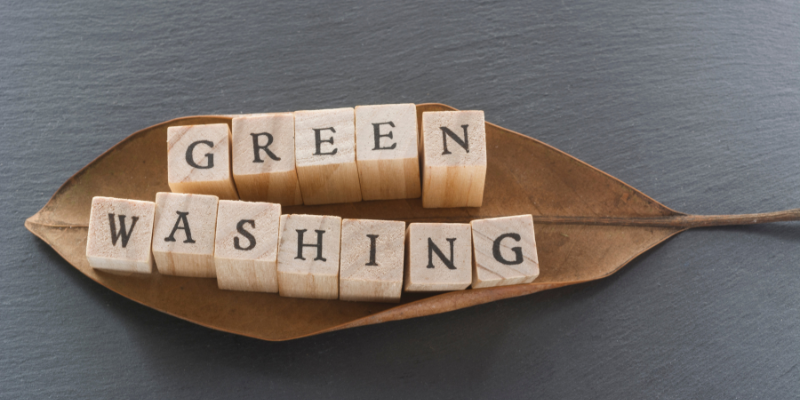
[
  {"x": 198, "y": 160},
  {"x": 387, "y": 151},
  {"x": 454, "y": 159},
  {"x": 183, "y": 235},
  {"x": 372, "y": 260},
  {"x": 246, "y": 246},
  {"x": 439, "y": 257},
  {"x": 119, "y": 235},
  {"x": 325, "y": 155},
  {"x": 263, "y": 159},
  {"x": 308, "y": 256},
  {"x": 505, "y": 251}
]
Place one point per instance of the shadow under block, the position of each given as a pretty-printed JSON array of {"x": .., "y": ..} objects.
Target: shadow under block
[
  {"x": 119, "y": 235},
  {"x": 454, "y": 159},
  {"x": 198, "y": 160},
  {"x": 438, "y": 257},
  {"x": 504, "y": 251},
  {"x": 387, "y": 152},
  {"x": 372, "y": 260},
  {"x": 183, "y": 235},
  {"x": 262, "y": 157},
  {"x": 308, "y": 256},
  {"x": 246, "y": 246},
  {"x": 325, "y": 156}
]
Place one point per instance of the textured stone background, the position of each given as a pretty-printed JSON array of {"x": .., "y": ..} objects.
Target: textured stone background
[{"x": 694, "y": 104}]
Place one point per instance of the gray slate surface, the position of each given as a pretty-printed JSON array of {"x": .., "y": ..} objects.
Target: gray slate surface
[{"x": 694, "y": 104}]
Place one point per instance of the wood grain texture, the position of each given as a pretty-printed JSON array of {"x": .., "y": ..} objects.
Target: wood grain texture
[
  {"x": 429, "y": 249},
  {"x": 120, "y": 233},
  {"x": 372, "y": 260},
  {"x": 199, "y": 160},
  {"x": 183, "y": 234},
  {"x": 504, "y": 251},
  {"x": 308, "y": 256}
]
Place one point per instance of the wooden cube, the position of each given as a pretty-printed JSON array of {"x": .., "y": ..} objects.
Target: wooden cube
[
  {"x": 198, "y": 160},
  {"x": 325, "y": 155},
  {"x": 439, "y": 257},
  {"x": 263, "y": 158},
  {"x": 246, "y": 246},
  {"x": 119, "y": 235},
  {"x": 308, "y": 256},
  {"x": 504, "y": 250},
  {"x": 454, "y": 159},
  {"x": 372, "y": 260},
  {"x": 183, "y": 235},
  {"x": 387, "y": 153}
]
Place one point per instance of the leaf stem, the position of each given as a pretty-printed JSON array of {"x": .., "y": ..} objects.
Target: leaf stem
[{"x": 678, "y": 221}]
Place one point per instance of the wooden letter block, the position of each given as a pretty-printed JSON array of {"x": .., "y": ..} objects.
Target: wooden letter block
[
  {"x": 325, "y": 150},
  {"x": 387, "y": 151},
  {"x": 505, "y": 251},
  {"x": 308, "y": 256},
  {"x": 246, "y": 246},
  {"x": 454, "y": 159},
  {"x": 372, "y": 260},
  {"x": 198, "y": 160},
  {"x": 263, "y": 159},
  {"x": 439, "y": 257},
  {"x": 183, "y": 236},
  {"x": 119, "y": 235}
]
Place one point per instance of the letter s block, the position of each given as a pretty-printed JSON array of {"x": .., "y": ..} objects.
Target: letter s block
[
  {"x": 439, "y": 257},
  {"x": 505, "y": 251},
  {"x": 119, "y": 235},
  {"x": 198, "y": 160},
  {"x": 308, "y": 256},
  {"x": 183, "y": 235}
]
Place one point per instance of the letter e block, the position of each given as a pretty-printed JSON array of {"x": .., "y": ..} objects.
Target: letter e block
[
  {"x": 387, "y": 151},
  {"x": 308, "y": 256},
  {"x": 325, "y": 155},
  {"x": 505, "y": 251},
  {"x": 454, "y": 159},
  {"x": 372, "y": 260},
  {"x": 198, "y": 160},
  {"x": 183, "y": 236},
  {"x": 246, "y": 246},
  {"x": 263, "y": 159},
  {"x": 439, "y": 257},
  {"x": 119, "y": 235}
]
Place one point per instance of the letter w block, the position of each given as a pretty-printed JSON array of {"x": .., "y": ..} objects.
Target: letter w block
[{"x": 119, "y": 235}]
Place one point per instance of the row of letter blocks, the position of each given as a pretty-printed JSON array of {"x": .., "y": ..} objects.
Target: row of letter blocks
[
  {"x": 334, "y": 156},
  {"x": 250, "y": 246}
]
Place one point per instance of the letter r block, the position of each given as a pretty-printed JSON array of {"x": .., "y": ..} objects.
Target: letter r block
[
  {"x": 308, "y": 256},
  {"x": 119, "y": 235},
  {"x": 439, "y": 257},
  {"x": 454, "y": 159},
  {"x": 505, "y": 251},
  {"x": 183, "y": 235},
  {"x": 198, "y": 160}
]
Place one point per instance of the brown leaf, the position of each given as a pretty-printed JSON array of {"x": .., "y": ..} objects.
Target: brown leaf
[{"x": 588, "y": 225}]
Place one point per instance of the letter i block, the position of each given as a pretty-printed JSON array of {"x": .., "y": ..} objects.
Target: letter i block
[
  {"x": 439, "y": 257},
  {"x": 246, "y": 246},
  {"x": 387, "y": 151},
  {"x": 454, "y": 159},
  {"x": 505, "y": 251},
  {"x": 263, "y": 159},
  {"x": 308, "y": 256},
  {"x": 183, "y": 236},
  {"x": 198, "y": 160},
  {"x": 325, "y": 155},
  {"x": 119, "y": 235},
  {"x": 372, "y": 260}
]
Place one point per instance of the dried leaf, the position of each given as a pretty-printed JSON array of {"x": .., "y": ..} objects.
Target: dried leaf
[{"x": 588, "y": 225}]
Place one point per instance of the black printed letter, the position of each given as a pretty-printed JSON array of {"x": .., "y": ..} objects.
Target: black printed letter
[
  {"x": 377, "y": 132},
  {"x": 300, "y": 245},
  {"x": 116, "y": 234},
  {"x": 257, "y": 149},
  {"x": 209, "y": 156},
  {"x": 433, "y": 249},
  {"x": 181, "y": 220},
  {"x": 372, "y": 239},
  {"x": 318, "y": 141},
  {"x": 463, "y": 143},
  {"x": 517, "y": 250},
  {"x": 249, "y": 236}
]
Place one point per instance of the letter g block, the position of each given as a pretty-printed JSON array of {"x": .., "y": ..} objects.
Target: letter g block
[
  {"x": 505, "y": 251},
  {"x": 198, "y": 160}
]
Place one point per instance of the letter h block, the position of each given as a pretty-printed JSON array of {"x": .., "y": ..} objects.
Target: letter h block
[
  {"x": 183, "y": 235},
  {"x": 439, "y": 257},
  {"x": 454, "y": 159},
  {"x": 505, "y": 251},
  {"x": 198, "y": 160},
  {"x": 308, "y": 256},
  {"x": 119, "y": 235}
]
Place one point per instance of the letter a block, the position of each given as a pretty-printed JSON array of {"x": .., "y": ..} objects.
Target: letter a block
[
  {"x": 198, "y": 160},
  {"x": 263, "y": 159},
  {"x": 325, "y": 154},
  {"x": 308, "y": 256},
  {"x": 183, "y": 236},
  {"x": 387, "y": 151},
  {"x": 246, "y": 246},
  {"x": 372, "y": 260},
  {"x": 454, "y": 159},
  {"x": 505, "y": 251},
  {"x": 439, "y": 257},
  {"x": 119, "y": 235}
]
